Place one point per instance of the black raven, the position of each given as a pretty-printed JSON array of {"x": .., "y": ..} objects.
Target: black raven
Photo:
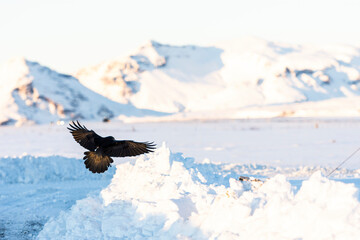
[{"x": 98, "y": 159}]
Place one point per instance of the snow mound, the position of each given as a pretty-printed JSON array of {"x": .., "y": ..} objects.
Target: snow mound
[
  {"x": 30, "y": 169},
  {"x": 164, "y": 196},
  {"x": 32, "y": 93}
]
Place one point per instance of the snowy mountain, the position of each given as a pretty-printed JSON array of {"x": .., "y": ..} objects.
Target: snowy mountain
[
  {"x": 34, "y": 93},
  {"x": 245, "y": 78},
  {"x": 232, "y": 75}
]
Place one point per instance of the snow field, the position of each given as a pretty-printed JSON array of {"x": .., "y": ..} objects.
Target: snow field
[{"x": 166, "y": 196}]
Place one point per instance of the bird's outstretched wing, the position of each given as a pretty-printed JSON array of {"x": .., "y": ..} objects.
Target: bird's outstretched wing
[
  {"x": 83, "y": 136},
  {"x": 128, "y": 148}
]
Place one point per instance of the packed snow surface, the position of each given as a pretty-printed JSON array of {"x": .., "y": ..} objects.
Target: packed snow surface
[
  {"x": 282, "y": 142},
  {"x": 166, "y": 196},
  {"x": 34, "y": 189}
]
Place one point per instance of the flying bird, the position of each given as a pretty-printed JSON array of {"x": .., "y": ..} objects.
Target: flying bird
[{"x": 101, "y": 149}]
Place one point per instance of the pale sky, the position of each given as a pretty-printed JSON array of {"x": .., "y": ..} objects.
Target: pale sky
[{"x": 67, "y": 35}]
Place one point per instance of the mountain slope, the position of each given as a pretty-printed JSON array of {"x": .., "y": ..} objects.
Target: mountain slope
[
  {"x": 162, "y": 77},
  {"x": 232, "y": 75},
  {"x": 34, "y": 93},
  {"x": 244, "y": 78}
]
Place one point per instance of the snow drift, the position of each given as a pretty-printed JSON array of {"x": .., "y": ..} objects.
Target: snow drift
[
  {"x": 34, "y": 93},
  {"x": 229, "y": 76},
  {"x": 30, "y": 169},
  {"x": 165, "y": 196}
]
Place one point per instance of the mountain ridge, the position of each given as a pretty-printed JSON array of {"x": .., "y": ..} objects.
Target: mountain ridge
[
  {"x": 230, "y": 77},
  {"x": 32, "y": 93},
  {"x": 249, "y": 72}
]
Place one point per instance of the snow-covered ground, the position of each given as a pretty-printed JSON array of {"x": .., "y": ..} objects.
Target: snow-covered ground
[
  {"x": 188, "y": 188},
  {"x": 166, "y": 196}
]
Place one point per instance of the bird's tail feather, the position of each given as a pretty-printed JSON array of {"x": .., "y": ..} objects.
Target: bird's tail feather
[{"x": 97, "y": 162}]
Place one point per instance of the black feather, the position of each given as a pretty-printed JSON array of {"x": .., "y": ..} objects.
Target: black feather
[{"x": 98, "y": 159}]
